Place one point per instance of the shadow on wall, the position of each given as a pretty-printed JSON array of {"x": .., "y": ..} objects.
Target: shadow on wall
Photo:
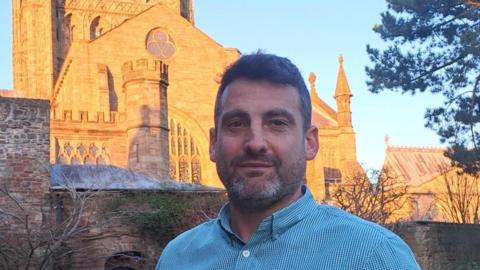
[{"x": 148, "y": 143}]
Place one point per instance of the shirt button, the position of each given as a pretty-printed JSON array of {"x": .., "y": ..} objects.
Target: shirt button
[{"x": 246, "y": 253}]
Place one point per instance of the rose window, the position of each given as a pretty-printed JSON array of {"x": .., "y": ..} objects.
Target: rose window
[{"x": 160, "y": 44}]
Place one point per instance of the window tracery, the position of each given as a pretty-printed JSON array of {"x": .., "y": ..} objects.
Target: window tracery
[
  {"x": 81, "y": 153},
  {"x": 185, "y": 163},
  {"x": 160, "y": 44}
]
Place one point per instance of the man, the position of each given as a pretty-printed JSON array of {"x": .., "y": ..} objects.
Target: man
[{"x": 261, "y": 142}]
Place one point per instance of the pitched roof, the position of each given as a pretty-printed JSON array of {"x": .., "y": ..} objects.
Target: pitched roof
[
  {"x": 323, "y": 115},
  {"x": 321, "y": 119},
  {"x": 107, "y": 177},
  {"x": 415, "y": 165},
  {"x": 11, "y": 93}
]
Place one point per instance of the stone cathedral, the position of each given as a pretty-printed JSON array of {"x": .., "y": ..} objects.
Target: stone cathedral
[{"x": 132, "y": 83}]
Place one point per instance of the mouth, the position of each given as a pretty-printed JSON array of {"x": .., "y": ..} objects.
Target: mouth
[{"x": 255, "y": 164}]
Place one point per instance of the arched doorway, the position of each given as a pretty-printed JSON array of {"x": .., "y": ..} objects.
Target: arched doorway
[{"x": 126, "y": 260}]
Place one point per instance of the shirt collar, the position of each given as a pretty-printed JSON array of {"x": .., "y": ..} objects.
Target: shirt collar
[{"x": 277, "y": 223}]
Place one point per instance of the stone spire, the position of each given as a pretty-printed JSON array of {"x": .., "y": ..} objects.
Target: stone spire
[
  {"x": 342, "y": 87},
  {"x": 342, "y": 96},
  {"x": 313, "y": 91},
  {"x": 346, "y": 138}
]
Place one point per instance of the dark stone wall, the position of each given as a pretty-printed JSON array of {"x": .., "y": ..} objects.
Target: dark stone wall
[
  {"x": 24, "y": 154},
  {"x": 440, "y": 246}
]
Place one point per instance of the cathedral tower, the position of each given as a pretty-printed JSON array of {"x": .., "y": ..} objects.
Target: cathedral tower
[
  {"x": 145, "y": 82},
  {"x": 33, "y": 47},
  {"x": 344, "y": 119},
  {"x": 342, "y": 96},
  {"x": 43, "y": 31}
]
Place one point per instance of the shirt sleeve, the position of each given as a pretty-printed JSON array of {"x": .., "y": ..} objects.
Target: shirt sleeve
[
  {"x": 392, "y": 254},
  {"x": 160, "y": 263}
]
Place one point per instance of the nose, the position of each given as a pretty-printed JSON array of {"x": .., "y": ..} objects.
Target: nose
[{"x": 255, "y": 141}]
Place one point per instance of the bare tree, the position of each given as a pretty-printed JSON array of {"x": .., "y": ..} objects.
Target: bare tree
[
  {"x": 379, "y": 201},
  {"x": 459, "y": 199},
  {"x": 27, "y": 242}
]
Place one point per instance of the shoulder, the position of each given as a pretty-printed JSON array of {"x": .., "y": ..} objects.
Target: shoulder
[
  {"x": 188, "y": 240},
  {"x": 193, "y": 236},
  {"x": 379, "y": 247},
  {"x": 337, "y": 218}
]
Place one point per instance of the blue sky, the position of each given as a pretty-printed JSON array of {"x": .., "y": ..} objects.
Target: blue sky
[{"x": 311, "y": 33}]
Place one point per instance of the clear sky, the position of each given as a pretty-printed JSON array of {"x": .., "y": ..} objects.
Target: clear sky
[{"x": 311, "y": 33}]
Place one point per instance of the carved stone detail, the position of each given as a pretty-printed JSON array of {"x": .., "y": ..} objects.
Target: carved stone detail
[
  {"x": 112, "y": 6},
  {"x": 81, "y": 152}
]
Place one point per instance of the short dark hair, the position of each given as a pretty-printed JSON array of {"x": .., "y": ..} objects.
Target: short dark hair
[{"x": 269, "y": 67}]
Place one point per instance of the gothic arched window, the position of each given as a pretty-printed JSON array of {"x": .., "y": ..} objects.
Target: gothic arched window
[
  {"x": 185, "y": 162},
  {"x": 183, "y": 174},
  {"x": 98, "y": 27},
  {"x": 196, "y": 170}
]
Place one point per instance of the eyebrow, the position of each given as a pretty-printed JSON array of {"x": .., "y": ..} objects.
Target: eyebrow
[
  {"x": 232, "y": 114},
  {"x": 268, "y": 114},
  {"x": 280, "y": 112}
]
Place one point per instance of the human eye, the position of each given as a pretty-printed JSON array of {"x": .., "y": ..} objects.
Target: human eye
[
  {"x": 235, "y": 123},
  {"x": 278, "y": 123}
]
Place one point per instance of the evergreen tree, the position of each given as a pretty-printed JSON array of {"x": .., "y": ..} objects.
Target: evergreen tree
[{"x": 434, "y": 46}]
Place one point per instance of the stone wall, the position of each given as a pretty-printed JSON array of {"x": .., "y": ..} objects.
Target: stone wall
[
  {"x": 440, "y": 246},
  {"x": 112, "y": 234},
  {"x": 101, "y": 236},
  {"x": 24, "y": 154}
]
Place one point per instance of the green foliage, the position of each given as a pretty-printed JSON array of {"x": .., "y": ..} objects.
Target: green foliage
[
  {"x": 164, "y": 215},
  {"x": 434, "y": 46}
]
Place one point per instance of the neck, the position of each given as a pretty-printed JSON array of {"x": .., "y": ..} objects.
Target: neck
[{"x": 244, "y": 222}]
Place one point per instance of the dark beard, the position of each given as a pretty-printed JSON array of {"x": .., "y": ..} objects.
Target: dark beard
[
  {"x": 274, "y": 187},
  {"x": 260, "y": 201}
]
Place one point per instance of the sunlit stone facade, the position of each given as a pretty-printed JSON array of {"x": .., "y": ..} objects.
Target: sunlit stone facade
[{"x": 133, "y": 83}]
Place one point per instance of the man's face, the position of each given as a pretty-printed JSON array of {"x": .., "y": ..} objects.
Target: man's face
[{"x": 259, "y": 145}]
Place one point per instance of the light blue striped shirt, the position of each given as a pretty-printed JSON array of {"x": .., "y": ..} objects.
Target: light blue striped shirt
[{"x": 303, "y": 235}]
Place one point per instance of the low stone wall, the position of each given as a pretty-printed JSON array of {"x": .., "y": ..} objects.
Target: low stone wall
[
  {"x": 442, "y": 246},
  {"x": 121, "y": 229}
]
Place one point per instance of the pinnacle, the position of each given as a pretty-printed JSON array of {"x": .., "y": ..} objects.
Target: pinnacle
[
  {"x": 313, "y": 90},
  {"x": 342, "y": 88}
]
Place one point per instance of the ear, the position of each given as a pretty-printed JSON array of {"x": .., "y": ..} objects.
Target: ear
[
  {"x": 213, "y": 142},
  {"x": 311, "y": 142}
]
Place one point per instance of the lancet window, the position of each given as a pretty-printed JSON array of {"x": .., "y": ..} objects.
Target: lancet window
[
  {"x": 98, "y": 27},
  {"x": 185, "y": 164}
]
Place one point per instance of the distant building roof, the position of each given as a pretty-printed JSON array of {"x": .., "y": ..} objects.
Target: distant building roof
[
  {"x": 321, "y": 119},
  {"x": 323, "y": 116},
  {"x": 415, "y": 165},
  {"x": 107, "y": 177},
  {"x": 11, "y": 93}
]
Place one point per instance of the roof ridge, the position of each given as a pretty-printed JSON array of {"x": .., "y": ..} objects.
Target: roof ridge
[{"x": 416, "y": 148}]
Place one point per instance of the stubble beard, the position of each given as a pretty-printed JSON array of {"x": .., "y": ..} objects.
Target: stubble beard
[{"x": 269, "y": 189}]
